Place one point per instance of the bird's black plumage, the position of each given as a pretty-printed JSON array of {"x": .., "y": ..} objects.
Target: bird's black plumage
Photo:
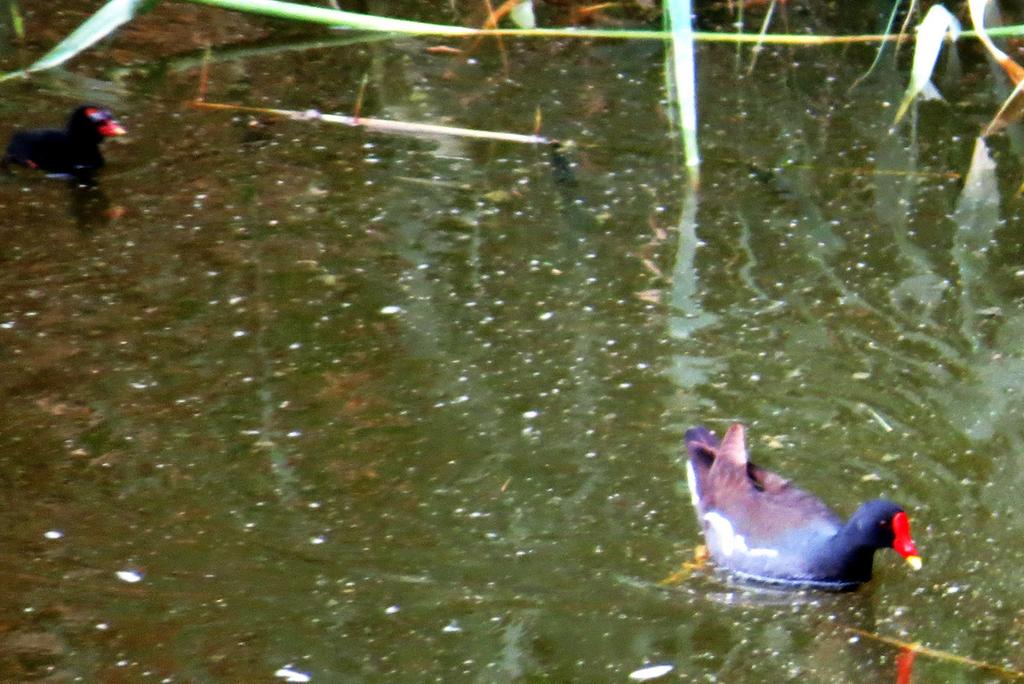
[{"x": 73, "y": 150}]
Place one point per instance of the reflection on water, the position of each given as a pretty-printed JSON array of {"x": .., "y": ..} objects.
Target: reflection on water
[
  {"x": 89, "y": 206},
  {"x": 361, "y": 406}
]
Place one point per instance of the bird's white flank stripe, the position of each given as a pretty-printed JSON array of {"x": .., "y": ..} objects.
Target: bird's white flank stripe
[{"x": 730, "y": 542}]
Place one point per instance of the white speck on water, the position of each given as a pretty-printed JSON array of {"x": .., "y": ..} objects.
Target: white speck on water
[
  {"x": 129, "y": 576},
  {"x": 452, "y": 628},
  {"x": 547, "y": 316},
  {"x": 289, "y": 675},
  {"x": 239, "y": 333},
  {"x": 391, "y": 610},
  {"x": 295, "y": 433},
  {"x": 102, "y": 626},
  {"x": 7, "y": 325},
  {"x": 391, "y": 310},
  {"x": 317, "y": 540},
  {"x": 530, "y": 414},
  {"x": 53, "y": 534}
]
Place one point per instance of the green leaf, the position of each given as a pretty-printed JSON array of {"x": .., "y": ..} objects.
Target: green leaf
[
  {"x": 930, "y": 34},
  {"x": 96, "y": 28}
]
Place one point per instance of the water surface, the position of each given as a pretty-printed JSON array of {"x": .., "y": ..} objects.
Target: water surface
[{"x": 371, "y": 407}]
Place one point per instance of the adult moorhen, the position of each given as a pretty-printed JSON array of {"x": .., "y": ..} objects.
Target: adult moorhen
[
  {"x": 759, "y": 526},
  {"x": 73, "y": 151}
]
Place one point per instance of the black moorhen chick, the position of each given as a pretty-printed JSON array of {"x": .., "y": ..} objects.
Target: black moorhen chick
[
  {"x": 73, "y": 151},
  {"x": 759, "y": 526}
]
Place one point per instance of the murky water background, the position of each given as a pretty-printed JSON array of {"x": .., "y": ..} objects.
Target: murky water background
[{"x": 369, "y": 407}]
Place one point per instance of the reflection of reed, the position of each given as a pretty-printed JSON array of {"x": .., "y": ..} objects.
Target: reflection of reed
[
  {"x": 269, "y": 432},
  {"x": 907, "y": 649},
  {"x": 689, "y": 370},
  {"x": 515, "y": 661},
  {"x": 976, "y": 219}
]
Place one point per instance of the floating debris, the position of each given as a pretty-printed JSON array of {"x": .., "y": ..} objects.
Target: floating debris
[
  {"x": 129, "y": 576},
  {"x": 646, "y": 674},
  {"x": 289, "y": 675}
]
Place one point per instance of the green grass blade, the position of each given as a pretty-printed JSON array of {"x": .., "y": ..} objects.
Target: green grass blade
[
  {"x": 679, "y": 17},
  {"x": 332, "y": 17},
  {"x": 764, "y": 32},
  {"x": 17, "y": 21},
  {"x": 930, "y": 35},
  {"x": 96, "y": 28},
  {"x": 882, "y": 47}
]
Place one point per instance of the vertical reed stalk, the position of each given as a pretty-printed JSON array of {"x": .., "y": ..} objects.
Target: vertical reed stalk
[{"x": 683, "y": 81}]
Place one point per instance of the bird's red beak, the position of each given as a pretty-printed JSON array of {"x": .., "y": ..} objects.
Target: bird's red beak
[
  {"x": 903, "y": 542},
  {"x": 110, "y": 128}
]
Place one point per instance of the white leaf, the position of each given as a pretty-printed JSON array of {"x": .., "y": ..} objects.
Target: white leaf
[
  {"x": 522, "y": 15},
  {"x": 930, "y": 34}
]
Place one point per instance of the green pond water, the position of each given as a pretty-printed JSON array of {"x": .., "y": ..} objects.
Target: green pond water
[{"x": 287, "y": 399}]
